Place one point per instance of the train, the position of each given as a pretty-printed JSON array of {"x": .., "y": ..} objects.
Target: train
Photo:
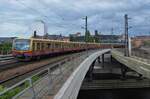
[{"x": 35, "y": 48}]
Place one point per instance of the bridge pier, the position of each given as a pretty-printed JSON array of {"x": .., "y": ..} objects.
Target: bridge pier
[
  {"x": 90, "y": 72},
  {"x": 140, "y": 76},
  {"x": 123, "y": 72},
  {"x": 99, "y": 59},
  {"x": 111, "y": 58},
  {"x": 103, "y": 60}
]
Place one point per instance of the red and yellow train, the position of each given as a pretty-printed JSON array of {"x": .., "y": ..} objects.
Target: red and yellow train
[{"x": 27, "y": 49}]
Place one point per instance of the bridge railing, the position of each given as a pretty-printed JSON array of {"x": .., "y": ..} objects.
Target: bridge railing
[
  {"x": 138, "y": 54},
  {"x": 43, "y": 82}
]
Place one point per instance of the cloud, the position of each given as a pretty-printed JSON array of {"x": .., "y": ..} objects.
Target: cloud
[{"x": 65, "y": 16}]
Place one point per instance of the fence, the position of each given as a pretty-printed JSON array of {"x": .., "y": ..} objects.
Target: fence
[{"x": 138, "y": 54}]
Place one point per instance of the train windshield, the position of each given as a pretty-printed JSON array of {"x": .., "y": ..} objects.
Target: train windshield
[{"x": 21, "y": 44}]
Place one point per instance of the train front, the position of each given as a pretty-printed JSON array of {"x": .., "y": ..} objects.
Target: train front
[{"x": 21, "y": 49}]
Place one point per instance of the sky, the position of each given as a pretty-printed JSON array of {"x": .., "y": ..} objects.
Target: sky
[{"x": 21, "y": 17}]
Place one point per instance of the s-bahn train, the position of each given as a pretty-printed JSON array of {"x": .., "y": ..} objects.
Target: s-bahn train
[{"x": 27, "y": 49}]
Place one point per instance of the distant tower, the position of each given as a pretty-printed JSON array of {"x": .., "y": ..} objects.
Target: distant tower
[{"x": 45, "y": 29}]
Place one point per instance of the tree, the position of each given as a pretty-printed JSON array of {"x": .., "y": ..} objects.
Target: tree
[
  {"x": 5, "y": 48},
  {"x": 87, "y": 36}
]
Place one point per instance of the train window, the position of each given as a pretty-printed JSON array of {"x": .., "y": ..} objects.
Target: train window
[
  {"x": 65, "y": 45},
  {"x": 62, "y": 44},
  {"x": 21, "y": 44},
  {"x": 74, "y": 45},
  {"x": 48, "y": 45},
  {"x": 33, "y": 47},
  {"x": 52, "y": 45},
  {"x": 70, "y": 45},
  {"x": 38, "y": 46},
  {"x": 56, "y": 45},
  {"x": 42, "y": 46}
]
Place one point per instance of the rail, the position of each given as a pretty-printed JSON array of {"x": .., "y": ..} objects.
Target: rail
[{"x": 6, "y": 57}]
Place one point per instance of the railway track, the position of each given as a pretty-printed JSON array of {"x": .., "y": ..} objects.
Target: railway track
[
  {"x": 5, "y": 58},
  {"x": 11, "y": 63},
  {"x": 6, "y": 61},
  {"x": 14, "y": 75}
]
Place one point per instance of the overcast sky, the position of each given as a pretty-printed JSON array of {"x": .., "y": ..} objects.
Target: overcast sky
[{"x": 20, "y": 17}]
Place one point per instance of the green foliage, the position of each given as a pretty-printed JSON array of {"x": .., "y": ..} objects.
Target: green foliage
[
  {"x": 9, "y": 94},
  {"x": 2, "y": 88},
  {"x": 5, "y": 47},
  {"x": 88, "y": 37},
  {"x": 35, "y": 78},
  {"x": 146, "y": 43}
]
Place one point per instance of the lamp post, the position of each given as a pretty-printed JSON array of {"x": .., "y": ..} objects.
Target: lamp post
[{"x": 127, "y": 51}]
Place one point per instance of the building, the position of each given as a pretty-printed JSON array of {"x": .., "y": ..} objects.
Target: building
[
  {"x": 54, "y": 37},
  {"x": 100, "y": 38},
  {"x": 110, "y": 38},
  {"x": 138, "y": 41},
  {"x": 78, "y": 34}
]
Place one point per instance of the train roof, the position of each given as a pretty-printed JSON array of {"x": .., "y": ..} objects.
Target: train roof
[
  {"x": 60, "y": 41},
  {"x": 37, "y": 39}
]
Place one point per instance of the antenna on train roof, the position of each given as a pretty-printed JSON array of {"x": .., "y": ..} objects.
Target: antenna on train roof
[{"x": 34, "y": 35}]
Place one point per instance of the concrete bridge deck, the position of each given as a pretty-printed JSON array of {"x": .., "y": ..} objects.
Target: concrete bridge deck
[{"x": 142, "y": 66}]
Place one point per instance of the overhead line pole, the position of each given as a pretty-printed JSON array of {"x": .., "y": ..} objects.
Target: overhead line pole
[
  {"x": 86, "y": 30},
  {"x": 86, "y": 25},
  {"x": 126, "y": 36}
]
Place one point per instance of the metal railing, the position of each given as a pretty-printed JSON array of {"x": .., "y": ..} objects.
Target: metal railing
[
  {"x": 6, "y": 57},
  {"x": 137, "y": 54},
  {"x": 43, "y": 82}
]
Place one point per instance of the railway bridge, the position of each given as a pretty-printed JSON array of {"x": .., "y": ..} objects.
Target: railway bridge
[{"x": 65, "y": 79}]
